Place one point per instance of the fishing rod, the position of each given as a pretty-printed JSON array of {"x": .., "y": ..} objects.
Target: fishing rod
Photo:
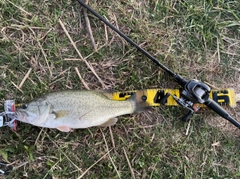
[{"x": 193, "y": 91}]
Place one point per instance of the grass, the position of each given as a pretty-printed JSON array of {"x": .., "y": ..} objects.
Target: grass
[{"x": 196, "y": 38}]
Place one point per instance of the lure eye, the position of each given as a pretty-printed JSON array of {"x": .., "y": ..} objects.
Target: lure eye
[{"x": 24, "y": 106}]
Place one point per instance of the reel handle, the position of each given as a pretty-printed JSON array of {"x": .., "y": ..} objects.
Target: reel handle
[{"x": 187, "y": 116}]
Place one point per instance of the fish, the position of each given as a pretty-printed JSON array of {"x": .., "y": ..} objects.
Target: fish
[{"x": 78, "y": 109}]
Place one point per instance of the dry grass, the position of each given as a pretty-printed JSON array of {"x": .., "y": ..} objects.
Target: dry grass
[{"x": 46, "y": 46}]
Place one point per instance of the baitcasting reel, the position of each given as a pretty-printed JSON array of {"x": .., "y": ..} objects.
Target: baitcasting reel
[{"x": 194, "y": 92}]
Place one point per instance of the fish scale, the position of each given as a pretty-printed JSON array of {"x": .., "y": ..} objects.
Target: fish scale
[{"x": 68, "y": 110}]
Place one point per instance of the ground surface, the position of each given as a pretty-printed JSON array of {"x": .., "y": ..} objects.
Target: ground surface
[{"x": 197, "y": 38}]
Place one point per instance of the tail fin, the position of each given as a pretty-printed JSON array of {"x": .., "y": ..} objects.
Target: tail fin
[{"x": 140, "y": 101}]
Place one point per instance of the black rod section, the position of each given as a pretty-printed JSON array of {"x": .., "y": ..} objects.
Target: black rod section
[
  {"x": 219, "y": 110},
  {"x": 210, "y": 103},
  {"x": 128, "y": 39}
]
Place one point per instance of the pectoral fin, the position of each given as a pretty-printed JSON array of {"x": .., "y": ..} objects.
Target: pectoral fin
[
  {"x": 110, "y": 122},
  {"x": 64, "y": 128},
  {"x": 60, "y": 114}
]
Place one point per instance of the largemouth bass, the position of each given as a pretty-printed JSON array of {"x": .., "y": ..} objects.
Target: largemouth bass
[{"x": 68, "y": 110}]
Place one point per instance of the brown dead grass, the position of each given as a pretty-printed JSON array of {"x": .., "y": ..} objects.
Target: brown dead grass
[{"x": 43, "y": 58}]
